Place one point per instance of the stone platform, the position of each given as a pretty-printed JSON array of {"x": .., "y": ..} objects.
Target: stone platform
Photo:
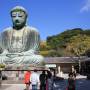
[{"x": 24, "y": 68}]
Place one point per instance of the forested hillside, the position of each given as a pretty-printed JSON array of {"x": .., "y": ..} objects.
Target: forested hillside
[{"x": 68, "y": 43}]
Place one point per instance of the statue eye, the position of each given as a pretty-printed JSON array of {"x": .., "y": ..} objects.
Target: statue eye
[
  {"x": 13, "y": 16},
  {"x": 20, "y": 16}
]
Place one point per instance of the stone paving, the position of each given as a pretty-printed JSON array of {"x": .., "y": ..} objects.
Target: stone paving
[
  {"x": 12, "y": 87},
  {"x": 81, "y": 84}
]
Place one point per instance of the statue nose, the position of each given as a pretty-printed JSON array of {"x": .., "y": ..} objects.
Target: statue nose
[{"x": 17, "y": 21}]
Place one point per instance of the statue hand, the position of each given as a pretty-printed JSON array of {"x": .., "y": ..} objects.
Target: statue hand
[
  {"x": 4, "y": 53},
  {"x": 12, "y": 55}
]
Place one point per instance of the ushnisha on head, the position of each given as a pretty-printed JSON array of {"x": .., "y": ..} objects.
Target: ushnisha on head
[{"x": 19, "y": 17}]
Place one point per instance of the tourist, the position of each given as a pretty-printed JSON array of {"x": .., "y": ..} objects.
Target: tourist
[
  {"x": 74, "y": 72},
  {"x": 42, "y": 78},
  {"x": 0, "y": 78},
  {"x": 34, "y": 80},
  {"x": 27, "y": 79},
  {"x": 49, "y": 83},
  {"x": 71, "y": 82}
]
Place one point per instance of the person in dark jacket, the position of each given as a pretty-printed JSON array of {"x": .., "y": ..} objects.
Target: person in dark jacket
[
  {"x": 0, "y": 78},
  {"x": 42, "y": 78},
  {"x": 71, "y": 82}
]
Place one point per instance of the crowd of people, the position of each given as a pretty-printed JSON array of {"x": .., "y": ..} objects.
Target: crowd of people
[{"x": 43, "y": 81}]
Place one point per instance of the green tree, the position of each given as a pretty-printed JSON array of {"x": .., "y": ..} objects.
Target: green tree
[
  {"x": 60, "y": 41},
  {"x": 79, "y": 44}
]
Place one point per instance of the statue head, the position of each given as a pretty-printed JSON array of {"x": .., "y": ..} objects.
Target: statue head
[{"x": 19, "y": 17}]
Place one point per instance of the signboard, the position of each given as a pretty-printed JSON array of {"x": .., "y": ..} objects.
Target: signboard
[{"x": 50, "y": 65}]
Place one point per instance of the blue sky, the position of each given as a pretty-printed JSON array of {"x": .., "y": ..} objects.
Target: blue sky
[{"x": 50, "y": 17}]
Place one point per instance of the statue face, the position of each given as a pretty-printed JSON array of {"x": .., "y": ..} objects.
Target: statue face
[{"x": 18, "y": 18}]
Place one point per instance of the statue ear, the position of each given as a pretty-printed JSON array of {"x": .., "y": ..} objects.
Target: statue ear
[
  {"x": 11, "y": 13},
  {"x": 26, "y": 15}
]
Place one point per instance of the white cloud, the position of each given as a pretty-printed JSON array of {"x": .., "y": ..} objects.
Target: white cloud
[{"x": 86, "y": 7}]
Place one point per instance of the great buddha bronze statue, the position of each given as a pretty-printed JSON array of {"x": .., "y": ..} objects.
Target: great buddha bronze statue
[{"x": 20, "y": 43}]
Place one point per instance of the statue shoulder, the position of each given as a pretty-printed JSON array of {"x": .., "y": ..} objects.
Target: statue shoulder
[
  {"x": 32, "y": 29},
  {"x": 7, "y": 30},
  {"x": 6, "y": 33}
]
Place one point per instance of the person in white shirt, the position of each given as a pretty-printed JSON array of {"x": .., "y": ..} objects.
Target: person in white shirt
[{"x": 34, "y": 79}]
